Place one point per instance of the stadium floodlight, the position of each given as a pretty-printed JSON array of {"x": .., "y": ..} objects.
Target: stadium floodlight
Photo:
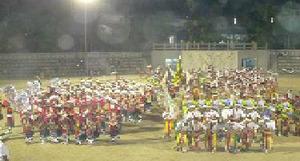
[
  {"x": 86, "y": 1},
  {"x": 272, "y": 19}
]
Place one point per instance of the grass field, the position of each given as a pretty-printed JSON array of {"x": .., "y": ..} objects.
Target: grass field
[{"x": 142, "y": 142}]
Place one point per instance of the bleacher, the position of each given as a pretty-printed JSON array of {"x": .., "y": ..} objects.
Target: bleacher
[
  {"x": 36, "y": 64},
  {"x": 290, "y": 61},
  {"x": 49, "y": 65},
  {"x": 124, "y": 63},
  {"x": 131, "y": 65}
]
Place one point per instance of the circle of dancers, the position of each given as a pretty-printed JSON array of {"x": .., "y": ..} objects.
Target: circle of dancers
[{"x": 84, "y": 112}]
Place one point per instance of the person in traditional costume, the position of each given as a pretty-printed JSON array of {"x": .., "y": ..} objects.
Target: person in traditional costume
[
  {"x": 77, "y": 125},
  {"x": 43, "y": 126},
  {"x": 169, "y": 123},
  {"x": 82, "y": 133},
  {"x": 90, "y": 133},
  {"x": 28, "y": 127},
  {"x": 268, "y": 135},
  {"x": 148, "y": 100},
  {"x": 113, "y": 126},
  {"x": 124, "y": 106},
  {"x": 65, "y": 128},
  {"x": 198, "y": 129},
  {"x": 9, "y": 115},
  {"x": 286, "y": 112},
  {"x": 102, "y": 121},
  {"x": 131, "y": 107},
  {"x": 182, "y": 137}
]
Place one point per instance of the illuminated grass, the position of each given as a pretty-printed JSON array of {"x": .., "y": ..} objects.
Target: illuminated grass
[{"x": 141, "y": 142}]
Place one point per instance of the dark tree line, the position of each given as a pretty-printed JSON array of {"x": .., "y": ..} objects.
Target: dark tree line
[{"x": 132, "y": 25}]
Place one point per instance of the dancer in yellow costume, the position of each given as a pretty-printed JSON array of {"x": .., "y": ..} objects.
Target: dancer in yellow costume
[
  {"x": 181, "y": 137},
  {"x": 169, "y": 124}
]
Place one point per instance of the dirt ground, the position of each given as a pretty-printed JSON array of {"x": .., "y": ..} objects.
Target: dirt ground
[{"x": 141, "y": 142}]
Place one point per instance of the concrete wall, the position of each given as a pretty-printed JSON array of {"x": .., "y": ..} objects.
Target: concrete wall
[
  {"x": 201, "y": 59},
  {"x": 194, "y": 59},
  {"x": 159, "y": 57},
  {"x": 261, "y": 57}
]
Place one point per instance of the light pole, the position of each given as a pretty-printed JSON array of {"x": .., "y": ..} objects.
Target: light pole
[
  {"x": 233, "y": 32},
  {"x": 85, "y": 3},
  {"x": 85, "y": 27}
]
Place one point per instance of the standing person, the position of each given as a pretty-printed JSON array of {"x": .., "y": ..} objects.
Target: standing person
[
  {"x": 65, "y": 129},
  {"x": 169, "y": 124},
  {"x": 131, "y": 108},
  {"x": 27, "y": 126},
  {"x": 90, "y": 132},
  {"x": 9, "y": 113},
  {"x": 102, "y": 121},
  {"x": 1, "y": 114},
  {"x": 113, "y": 126},
  {"x": 148, "y": 100},
  {"x": 4, "y": 152}
]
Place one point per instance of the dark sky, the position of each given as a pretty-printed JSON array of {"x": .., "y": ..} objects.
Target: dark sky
[{"x": 40, "y": 25}]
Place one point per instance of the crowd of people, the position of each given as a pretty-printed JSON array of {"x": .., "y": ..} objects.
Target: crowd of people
[
  {"x": 232, "y": 109},
  {"x": 204, "y": 109},
  {"x": 86, "y": 110}
]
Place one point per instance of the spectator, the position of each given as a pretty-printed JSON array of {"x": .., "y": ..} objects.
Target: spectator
[{"x": 4, "y": 153}]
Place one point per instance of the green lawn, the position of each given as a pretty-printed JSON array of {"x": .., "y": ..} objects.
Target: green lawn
[{"x": 141, "y": 142}]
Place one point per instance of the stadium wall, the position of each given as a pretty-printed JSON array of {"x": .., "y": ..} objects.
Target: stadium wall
[
  {"x": 261, "y": 58},
  {"x": 20, "y": 65},
  {"x": 194, "y": 59},
  {"x": 201, "y": 59},
  {"x": 159, "y": 57}
]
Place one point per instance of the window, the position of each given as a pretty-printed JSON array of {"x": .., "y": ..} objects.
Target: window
[
  {"x": 248, "y": 63},
  {"x": 172, "y": 63}
]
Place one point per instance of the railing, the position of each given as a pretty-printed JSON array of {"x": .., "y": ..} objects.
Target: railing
[{"x": 209, "y": 46}]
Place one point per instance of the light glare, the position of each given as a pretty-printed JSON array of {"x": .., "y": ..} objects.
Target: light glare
[
  {"x": 86, "y": 1},
  {"x": 272, "y": 20}
]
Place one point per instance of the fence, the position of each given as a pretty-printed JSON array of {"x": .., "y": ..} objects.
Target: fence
[{"x": 209, "y": 46}]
